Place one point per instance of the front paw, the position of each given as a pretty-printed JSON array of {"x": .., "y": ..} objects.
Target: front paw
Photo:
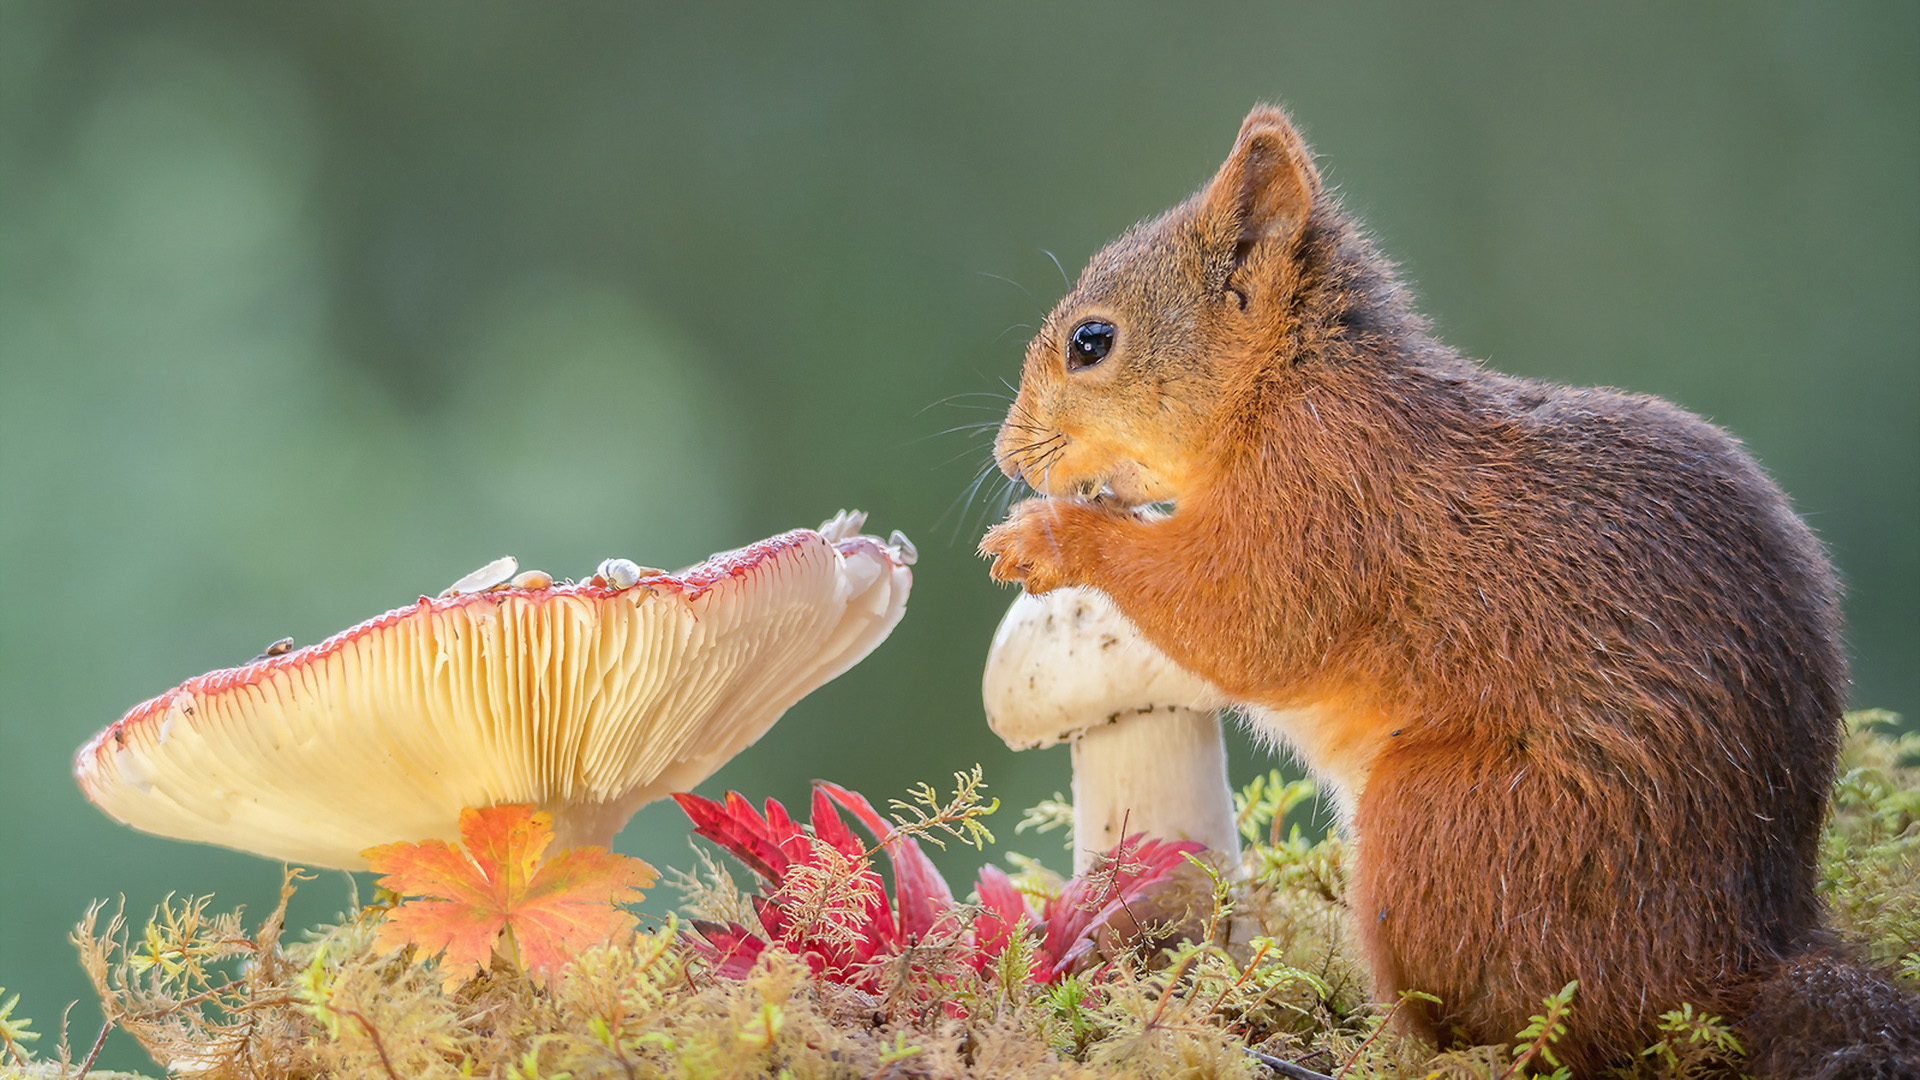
[{"x": 1035, "y": 545}]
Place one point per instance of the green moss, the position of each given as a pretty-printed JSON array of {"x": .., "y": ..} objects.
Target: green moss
[
  {"x": 205, "y": 994},
  {"x": 1870, "y": 861}
]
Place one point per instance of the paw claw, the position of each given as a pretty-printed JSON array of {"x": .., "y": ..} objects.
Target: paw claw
[{"x": 1030, "y": 548}]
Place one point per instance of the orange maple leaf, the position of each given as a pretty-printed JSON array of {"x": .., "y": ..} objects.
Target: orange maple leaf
[{"x": 500, "y": 887}]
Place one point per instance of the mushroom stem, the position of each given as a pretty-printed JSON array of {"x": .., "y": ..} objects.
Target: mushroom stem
[
  {"x": 587, "y": 823},
  {"x": 1161, "y": 773},
  {"x": 1147, "y": 753}
]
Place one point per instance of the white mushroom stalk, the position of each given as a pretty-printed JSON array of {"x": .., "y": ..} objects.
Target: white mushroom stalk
[
  {"x": 587, "y": 700},
  {"x": 1147, "y": 750}
]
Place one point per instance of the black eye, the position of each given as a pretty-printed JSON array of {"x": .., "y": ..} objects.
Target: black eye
[{"x": 1089, "y": 344}]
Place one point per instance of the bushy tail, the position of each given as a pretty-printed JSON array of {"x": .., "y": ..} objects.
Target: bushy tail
[{"x": 1827, "y": 1016}]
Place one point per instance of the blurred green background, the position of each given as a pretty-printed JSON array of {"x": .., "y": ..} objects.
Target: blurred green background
[{"x": 308, "y": 309}]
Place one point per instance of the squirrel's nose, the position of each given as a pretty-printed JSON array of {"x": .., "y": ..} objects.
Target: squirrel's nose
[{"x": 1006, "y": 457}]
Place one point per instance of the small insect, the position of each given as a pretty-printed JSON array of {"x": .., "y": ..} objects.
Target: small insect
[{"x": 278, "y": 648}]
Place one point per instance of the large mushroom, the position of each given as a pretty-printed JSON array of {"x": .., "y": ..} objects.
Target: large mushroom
[
  {"x": 1148, "y": 756},
  {"x": 587, "y": 700}
]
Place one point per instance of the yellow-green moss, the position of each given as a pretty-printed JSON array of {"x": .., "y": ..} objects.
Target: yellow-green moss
[{"x": 206, "y": 995}]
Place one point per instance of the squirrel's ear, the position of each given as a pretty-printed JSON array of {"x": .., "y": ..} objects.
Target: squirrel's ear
[{"x": 1268, "y": 184}]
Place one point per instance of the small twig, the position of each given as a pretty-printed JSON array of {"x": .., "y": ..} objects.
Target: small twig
[
  {"x": 620, "y": 1056},
  {"x": 1525, "y": 1057},
  {"x": 1173, "y": 983},
  {"x": 87, "y": 1065},
  {"x": 1558, "y": 1006},
  {"x": 378, "y": 1046},
  {"x": 1362, "y": 1048},
  {"x": 184, "y": 1003},
  {"x": 1245, "y": 1023},
  {"x": 1244, "y": 976},
  {"x": 1286, "y": 1068}
]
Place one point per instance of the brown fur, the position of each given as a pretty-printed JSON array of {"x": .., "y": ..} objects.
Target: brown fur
[{"x": 1573, "y": 649}]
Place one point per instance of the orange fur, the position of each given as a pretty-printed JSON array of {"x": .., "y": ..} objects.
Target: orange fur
[{"x": 1569, "y": 652}]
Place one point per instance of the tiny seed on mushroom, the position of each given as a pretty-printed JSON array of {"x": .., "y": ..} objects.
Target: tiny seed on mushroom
[
  {"x": 623, "y": 573},
  {"x": 532, "y": 579},
  {"x": 498, "y": 572},
  {"x": 904, "y": 552}
]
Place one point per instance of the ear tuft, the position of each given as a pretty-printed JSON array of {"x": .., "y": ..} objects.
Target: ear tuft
[{"x": 1267, "y": 186}]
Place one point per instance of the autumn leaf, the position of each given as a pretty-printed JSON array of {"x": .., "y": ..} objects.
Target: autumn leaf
[{"x": 466, "y": 902}]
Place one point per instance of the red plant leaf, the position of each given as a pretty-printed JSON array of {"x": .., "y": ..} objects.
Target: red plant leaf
[
  {"x": 730, "y": 947},
  {"x": 782, "y": 830},
  {"x": 500, "y": 891},
  {"x": 1075, "y": 918},
  {"x": 1070, "y": 926},
  {"x": 828, "y": 827},
  {"x": 1002, "y": 909},
  {"x": 739, "y": 828},
  {"x": 774, "y": 847},
  {"x": 920, "y": 893}
]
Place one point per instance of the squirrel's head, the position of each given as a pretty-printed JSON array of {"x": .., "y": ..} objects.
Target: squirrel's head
[{"x": 1124, "y": 378}]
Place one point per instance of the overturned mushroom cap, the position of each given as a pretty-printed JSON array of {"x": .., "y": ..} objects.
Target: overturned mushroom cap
[{"x": 586, "y": 700}]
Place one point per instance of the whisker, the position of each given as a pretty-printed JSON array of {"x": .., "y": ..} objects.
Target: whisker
[
  {"x": 974, "y": 444},
  {"x": 1051, "y": 436},
  {"x": 1049, "y": 450},
  {"x": 968, "y": 452},
  {"x": 1053, "y": 443},
  {"x": 1017, "y": 409},
  {"x": 989, "y": 492},
  {"x": 995, "y": 409},
  {"x": 1056, "y": 265},
  {"x": 1010, "y": 281},
  {"x": 953, "y": 398},
  {"x": 971, "y": 425},
  {"x": 998, "y": 501},
  {"x": 963, "y": 502}
]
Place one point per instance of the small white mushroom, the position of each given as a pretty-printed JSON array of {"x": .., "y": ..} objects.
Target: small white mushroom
[{"x": 1147, "y": 751}]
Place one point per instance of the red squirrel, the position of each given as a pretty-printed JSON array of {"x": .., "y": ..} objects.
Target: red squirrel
[{"x": 1568, "y": 659}]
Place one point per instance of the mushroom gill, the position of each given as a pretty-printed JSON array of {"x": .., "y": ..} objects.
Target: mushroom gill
[{"x": 588, "y": 700}]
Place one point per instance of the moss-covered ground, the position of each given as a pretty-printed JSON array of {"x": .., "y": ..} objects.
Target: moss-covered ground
[{"x": 208, "y": 994}]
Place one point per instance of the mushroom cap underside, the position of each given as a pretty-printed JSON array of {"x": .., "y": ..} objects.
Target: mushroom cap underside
[{"x": 586, "y": 700}]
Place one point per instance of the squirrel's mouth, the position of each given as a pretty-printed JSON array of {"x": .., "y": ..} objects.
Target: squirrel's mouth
[
  {"x": 1071, "y": 471},
  {"x": 1129, "y": 485}
]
